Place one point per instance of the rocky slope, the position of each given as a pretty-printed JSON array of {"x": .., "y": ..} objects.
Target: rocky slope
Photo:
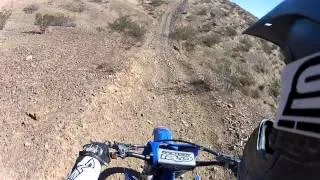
[{"x": 185, "y": 66}]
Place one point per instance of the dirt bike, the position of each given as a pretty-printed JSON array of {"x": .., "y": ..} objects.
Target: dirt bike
[{"x": 165, "y": 157}]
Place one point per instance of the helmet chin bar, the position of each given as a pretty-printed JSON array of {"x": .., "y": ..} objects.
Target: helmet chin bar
[{"x": 299, "y": 109}]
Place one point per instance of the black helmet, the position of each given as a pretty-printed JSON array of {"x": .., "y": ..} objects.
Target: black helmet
[
  {"x": 289, "y": 146},
  {"x": 294, "y": 25}
]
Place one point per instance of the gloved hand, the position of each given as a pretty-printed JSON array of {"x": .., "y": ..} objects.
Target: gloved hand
[{"x": 97, "y": 150}]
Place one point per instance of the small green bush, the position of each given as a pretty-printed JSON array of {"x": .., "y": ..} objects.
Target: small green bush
[
  {"x": 261, "y": 67},
  {"x": 274, "y": 88},
  {"x": 100, "y": 29},
  {"x": 97, "y": 1},
  {"x": 245, "y": 45},
  {"x": 223, "y": 67},
  {"x": 205, "y": 28},
  {"x": 126, "y": 25},
  {"x": 241, "y": 48},
  {"x": 229, "y": 31},
  {"x": 254, "y": 93},
  {"x": 261, "y": 87},
  {"x": 211, "y": 39},
  {"x": 281, "y": 56},
  {"x": 184, "y": 33},
  {"x": 4, "y": 16},
  {"x": 156, "y": 3},
  {"x": 236, "y": 77},
  {"x": 202, "y": 12},
  {"x": 242, "y": 78},
  {"x": 31, "y": 8},
  {"x": 75, "y": 6},
  {"x": 43, "y": 21},
  {"x": 266, "y": 47},
  {"x": 189, "y": 45},
  {"x": 205, "y": 1}
]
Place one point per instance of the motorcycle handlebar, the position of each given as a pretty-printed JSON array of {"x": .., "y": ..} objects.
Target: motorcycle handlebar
[{"x": 127, "y": 150}]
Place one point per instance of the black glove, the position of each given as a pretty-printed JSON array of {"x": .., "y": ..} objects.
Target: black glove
[{"x": 97, "y": 150}]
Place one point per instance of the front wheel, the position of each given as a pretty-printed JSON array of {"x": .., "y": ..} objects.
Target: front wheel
[{"x": 119, "y": 173}]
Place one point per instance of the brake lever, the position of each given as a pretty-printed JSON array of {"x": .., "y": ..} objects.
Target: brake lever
[
  {"x": 229, "y": 160},
  {"x": 122, "y": 149}
]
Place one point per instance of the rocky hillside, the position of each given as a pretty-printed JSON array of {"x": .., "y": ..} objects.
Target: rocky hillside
[{"x": 76, "y": 70}]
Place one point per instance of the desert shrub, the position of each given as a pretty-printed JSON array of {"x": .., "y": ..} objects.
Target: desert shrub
[
  {"x": 4, "y": 16},
  {"x": 31, "y": 8},
  {"x": 202, "y": 12},
  {"x": 75, "y": 6},
  {"x": 43, "y": 21},
  {"x": 255, "y": 93},
  {"x": 100, "y": 29},
  {"x": 261, "y": 67},
  {"x": 229, "y": 31},
  {"x": 184, "y": 33},
  {"x": 235, "y": 54},
  {"x": 190, "y": 17},
  {"x": 266, "y": 47},
  {"x": 189, "y": 45},
  {"x": 211, "y": 39},
  {"x": 261, "y": 87},
  {"x": 241, "y": 48},
  {"x": 246, "y": 44},
  {"x": 242, "y": 77},
  {"x": 236, "y": 77},
  {"x": 97, "y": 1},
  {"x": 205, "y": 28},
  {"x": 281, "y": 56},
  {"x": 248, "y": 91},
  {"x": 274, "y": 88},
  {"x": 156, "y": 2},
  {"x": 126, "y": 25},
  {"x": 205, "y": 1},
  {"x": 223, "y": 67},
  {"x": 239, "y": 79}
]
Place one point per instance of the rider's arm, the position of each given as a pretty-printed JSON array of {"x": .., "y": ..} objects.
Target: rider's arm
[{"x": 90, "y": 160}]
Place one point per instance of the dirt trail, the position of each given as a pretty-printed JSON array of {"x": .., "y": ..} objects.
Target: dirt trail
[{"x": 158, "y": 90}]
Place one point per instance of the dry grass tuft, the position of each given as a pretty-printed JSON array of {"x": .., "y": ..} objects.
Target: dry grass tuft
[
  {"x": 229, "y": 31},
  {"x": 266, "y": 47},
  {"x": 156, "y": 3},
  {"x": 244, "y": 46},
  {"x": 4, "y": 16},
  {"x": 202, "y": 12},
  {"x": 43, "y": 21},
  {"x": 236, "y": 77},
  {"x": 184, "y": 33},
  {"x": 75, "y": 6},
  {"x": 261, "y": 67},
  {"x": 274, "y": 88},
  {"x": 187, "y": 34},
  {"x": 126, "y": 25},
  {"x": 210, "y": 40},
  {"x": 31, "y": 8}
]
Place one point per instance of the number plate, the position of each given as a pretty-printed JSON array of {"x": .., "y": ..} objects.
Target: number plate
[{"x": 176, "y": 157}]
